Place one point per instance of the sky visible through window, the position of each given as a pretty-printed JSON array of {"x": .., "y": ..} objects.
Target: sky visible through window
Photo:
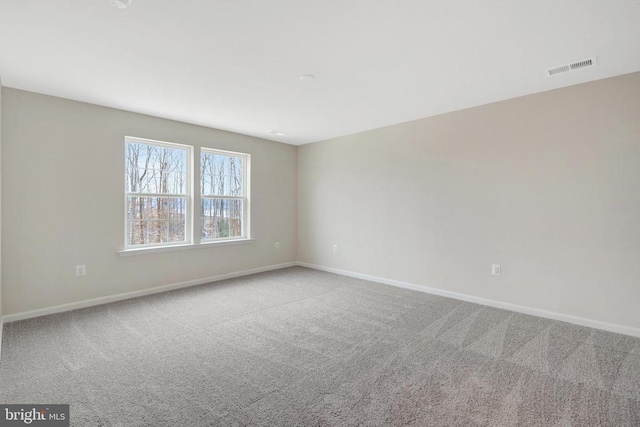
[
  {"x": 156, "y": 185},
  {"x": 222, "y": 193},
  {"x": 157, "y": 194}
]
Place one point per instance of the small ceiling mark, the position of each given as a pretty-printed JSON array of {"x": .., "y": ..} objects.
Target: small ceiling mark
[
  {"x": 277, "y": 133},
  {"x": 120, "y": 4}
]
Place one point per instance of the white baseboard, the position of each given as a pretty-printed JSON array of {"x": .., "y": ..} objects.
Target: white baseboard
[
  {"x": 127, "y": 295},
  {"x": 1, "y": 326},
  {"x": 611, "y": 327}
]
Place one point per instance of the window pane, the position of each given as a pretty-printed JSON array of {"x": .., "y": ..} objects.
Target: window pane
[
  {"x": 221, "y": 174},
  {"x": 157, "y": 231},
  {"x": 153, "y": 220},
  {"x": 221, "y": 218},
  {"x": 236, "y": 176},
  {"x": 144, "y": 232},
  {"x": 156, "y": 207},
  {"x": 155, "y": 169},
  {"x": 136, "y": 232},
  {"x": 219, "y": 185},
  {"x": 176, "y": 231}
]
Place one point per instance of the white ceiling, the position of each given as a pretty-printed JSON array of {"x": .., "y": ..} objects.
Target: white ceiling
[{"x": 236, "y": 64}]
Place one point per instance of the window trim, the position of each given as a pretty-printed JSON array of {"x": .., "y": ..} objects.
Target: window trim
[
  {"x": 189, "y": 203},
  {"x": 246, "y": 196},
  {"x": 193, "y": 229},
  {"x": 176, "y": 248}
]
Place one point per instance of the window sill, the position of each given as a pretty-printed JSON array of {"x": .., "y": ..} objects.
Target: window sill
[{"x": 174, "y": 248}]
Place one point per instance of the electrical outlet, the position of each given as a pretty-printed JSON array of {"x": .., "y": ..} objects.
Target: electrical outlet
[
  {"x": 81, "y": 270},
  {"x": 496, "y": 270},
  {"x": 277, "y": 245},
  {"x": 335, "y": 248}
]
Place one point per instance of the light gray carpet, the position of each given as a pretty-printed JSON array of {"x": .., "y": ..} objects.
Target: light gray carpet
[{"x": 307, "y": 348}]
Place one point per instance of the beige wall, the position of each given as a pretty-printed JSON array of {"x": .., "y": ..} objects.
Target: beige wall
[
  {"x": 546, "y": 185},
  {"x": 63, "y": 180},
  {"x": 0, "y": 212}
]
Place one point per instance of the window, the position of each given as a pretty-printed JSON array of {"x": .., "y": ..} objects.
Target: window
[
  {"x": 157, "y": 189},
  {"x": 224, "y": 195},
  {"x": 161, "y": 201}
]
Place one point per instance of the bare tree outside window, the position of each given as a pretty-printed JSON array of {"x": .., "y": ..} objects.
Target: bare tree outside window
[
  {"x": 156, "y": 189},
  {"x": 159, "y": 194},
  {"x": 223, "y": 194}
]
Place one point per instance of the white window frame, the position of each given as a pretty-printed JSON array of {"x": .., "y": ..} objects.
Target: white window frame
[
  {"x": 246, "y": 196},
  {"x": 188, "y": 194}
]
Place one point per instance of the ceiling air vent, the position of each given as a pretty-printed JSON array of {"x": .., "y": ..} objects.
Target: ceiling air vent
[{"x": 571, "y": 67}]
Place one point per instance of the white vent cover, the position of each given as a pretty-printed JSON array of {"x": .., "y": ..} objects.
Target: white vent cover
[{"x": 589, "y": 62}]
